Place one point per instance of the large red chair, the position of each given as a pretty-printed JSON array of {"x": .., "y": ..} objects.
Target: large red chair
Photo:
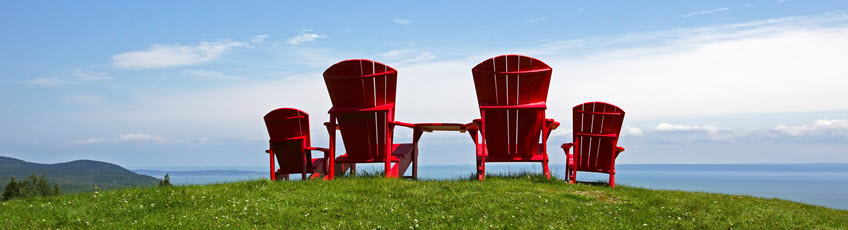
[
  {"x": 363, "y": 97},
  {"x": 290, "y": 143},
  {"x": 597, "y": 126},
  {"x": 511, "y": 92}
]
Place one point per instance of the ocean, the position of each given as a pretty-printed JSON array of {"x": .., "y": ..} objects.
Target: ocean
[{"x": 818, "y": 184}]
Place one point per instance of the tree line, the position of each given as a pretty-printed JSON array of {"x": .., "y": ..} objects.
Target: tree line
[{"x": 32, "y": 186}]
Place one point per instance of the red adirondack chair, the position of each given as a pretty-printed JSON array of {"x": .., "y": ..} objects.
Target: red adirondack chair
[
  {"x": 511, "y": 92},
  {"x": 597, "y": 126},
  {"x": 290, "y": 143},
  {"x": 363, "y": 97}
]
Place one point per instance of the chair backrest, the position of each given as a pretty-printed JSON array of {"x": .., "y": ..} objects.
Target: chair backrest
[
  {"x": 289, "y": 132},
  {"x": 360, "y": 84},
  {"x": 512, "y": 80},
  {"x": 597, "y": 126}
]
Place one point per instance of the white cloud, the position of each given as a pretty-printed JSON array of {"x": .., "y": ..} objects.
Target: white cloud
[
  {"x": 79, "y": 76},
  {"x": 82, "y": 75},
  {"x": 235, "y": 110},
  {"x": 87, "y": 141},
  {"x": 704, "y": 12},
  {"x": 633, "y": 131},
  {"x": 161, "y": 56},
  {"x": 822, "y": 127},
  {"x": 128, "y": 137},
  {"x": 209, "y": 74},
  {"x": 710, "y": 71},
  {"x": 785, "y": 65},
  {"x": 820, "y": 130},
  {"x": 672, "y": 127},
  {"x": 666, "y": 132},
  {"x": 139, "y": 137},
  {"x": 305, "y": 37},
  {"x": 258, "y": 39},
  {"x": 401, "y": 56},
  {"x": 401, "y": 21},
  {"x": 48, "y": 82}
]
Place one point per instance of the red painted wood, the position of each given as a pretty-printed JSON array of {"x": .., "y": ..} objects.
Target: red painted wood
[
  {"x": 290, "y": 142},
  {"x": 597, "y": 126},
  {"x": 363, "y": 94},
  {"x": 511, "y": 92}
]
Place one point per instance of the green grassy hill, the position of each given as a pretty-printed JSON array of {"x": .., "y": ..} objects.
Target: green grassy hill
[
  {"x": 527, "y": 202},
  {"x": 74, "y": 176}
]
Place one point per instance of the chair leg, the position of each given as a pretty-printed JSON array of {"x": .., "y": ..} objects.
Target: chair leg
[
  {"x": 331, "y": 165},
  {"x": 484, "y": 151},
  {"x": 353, "y": 169},
  {"x": 571, "y": 168},
  {"x": 481, "y": 170},
  {"x": 388, "y": 170},
  {"x": 545, "y": 169},
  {"x": 415, "y": 164},
  {"x": 340, "y": 168},
  {"x": 415, "y": 167},
  {"x": 270, "y": 153},
  {"x": 320, "y": 171},
  {"x": 416, "y": 135},
  {"x": 612, "y": 180},
  {"x": 573, "y": 175}
]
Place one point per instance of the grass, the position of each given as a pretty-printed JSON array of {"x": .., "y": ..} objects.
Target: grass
[{"x": 519, "y": 200}]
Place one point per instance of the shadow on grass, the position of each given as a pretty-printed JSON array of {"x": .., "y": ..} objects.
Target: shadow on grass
[
  {"x": 364, "y": 173},
  {"x": 594, "y": 183},
  {"x": 376, "y": 173},
  {"x": 523, "y": 174}
]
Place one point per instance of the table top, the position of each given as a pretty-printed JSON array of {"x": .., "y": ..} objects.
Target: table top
[{"x": 430, "y": 127}]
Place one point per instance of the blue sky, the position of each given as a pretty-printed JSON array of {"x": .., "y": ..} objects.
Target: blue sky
[{"x": 149, "y": 84}]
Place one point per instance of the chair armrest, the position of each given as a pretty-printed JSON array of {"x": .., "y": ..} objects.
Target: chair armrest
[
  {"x": 552, "y": 124},
  {"x": 566, "y": 147},
  {"x": 618, "y": 150},
  {"x": 473, "y": 125},
  {"x": 339, "y": 109},
  {"x": 569, "y": 158},
  {"x": 404, "y": 124},
  {"x": 328, "y": 124},
  {"x": 269, "y": 151},
  {"x": 326, "y": 150},
  {"x": 537, "y": 105}
]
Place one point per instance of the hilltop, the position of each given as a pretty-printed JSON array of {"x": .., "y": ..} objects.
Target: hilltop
[
  {"x": 527, "y": 202},
  {"x": 75, "y": 176}
]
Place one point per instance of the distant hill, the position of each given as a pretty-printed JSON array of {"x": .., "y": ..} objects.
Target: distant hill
[
  {"x": 198, "y": 172},
  {"x": 74, "y": 176}
]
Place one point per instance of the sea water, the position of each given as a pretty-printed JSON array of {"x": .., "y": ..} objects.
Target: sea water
[{"x": 818, "y": 184}]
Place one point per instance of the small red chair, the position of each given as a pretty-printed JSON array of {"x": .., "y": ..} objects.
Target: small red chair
[
  {"x": 597, "y": 126},
  {"x": 290, "y": 143},
  {"x": 363, "y": 96},
  {"x": 511, "y": 92}
]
